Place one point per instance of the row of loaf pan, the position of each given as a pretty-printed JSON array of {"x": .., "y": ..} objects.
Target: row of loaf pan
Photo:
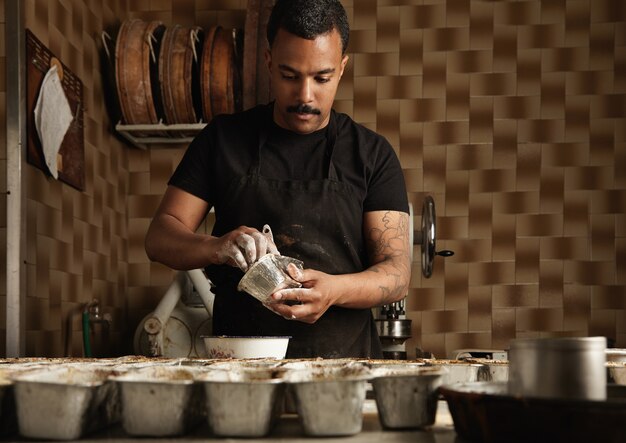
[{"x": 67, "y": 399}]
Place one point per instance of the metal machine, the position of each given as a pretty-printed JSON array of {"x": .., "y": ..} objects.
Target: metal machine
[
  {"x": 175, "y": 327},
  {"x": 393, "y": 327}
]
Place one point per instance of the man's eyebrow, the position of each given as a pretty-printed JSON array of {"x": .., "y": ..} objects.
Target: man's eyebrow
[{"x": 290, "y": 69}]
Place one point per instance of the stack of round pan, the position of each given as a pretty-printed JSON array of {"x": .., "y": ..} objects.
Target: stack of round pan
[
  {"x": 175, "y": 74},
  {"x": 219, "y": 79},
  {"x": 136, "y": 50},
  {"x": 178, "y": 74}
]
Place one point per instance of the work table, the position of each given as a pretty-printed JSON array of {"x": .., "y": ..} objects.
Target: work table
[{"x": 289, "y": 429}]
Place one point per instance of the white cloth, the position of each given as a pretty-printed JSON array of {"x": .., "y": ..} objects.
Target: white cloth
[{"x": 52, "y": 118}]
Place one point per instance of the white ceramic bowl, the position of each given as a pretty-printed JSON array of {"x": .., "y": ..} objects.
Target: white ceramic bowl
[{"x": 246, "y": 347}]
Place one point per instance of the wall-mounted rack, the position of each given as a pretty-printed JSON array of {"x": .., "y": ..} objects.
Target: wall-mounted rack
[{"x": 143, "y": 135}]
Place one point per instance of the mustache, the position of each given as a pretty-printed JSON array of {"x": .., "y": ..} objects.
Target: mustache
[{"x": 303, "y": 109}]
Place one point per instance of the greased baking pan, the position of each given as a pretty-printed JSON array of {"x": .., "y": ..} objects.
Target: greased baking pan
[{"x": 64, "y": 403}]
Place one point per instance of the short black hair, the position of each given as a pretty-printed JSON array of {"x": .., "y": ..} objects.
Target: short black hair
[{"x": 309, "y": 19}]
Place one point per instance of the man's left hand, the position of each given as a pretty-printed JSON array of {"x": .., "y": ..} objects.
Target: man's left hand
[{"x": 308, "y": 303}]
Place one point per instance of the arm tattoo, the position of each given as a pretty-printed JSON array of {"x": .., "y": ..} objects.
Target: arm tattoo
[{"x": 388, "y": 253}]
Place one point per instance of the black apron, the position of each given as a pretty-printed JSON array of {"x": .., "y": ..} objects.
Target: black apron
[{"x": 316, "y": 221}]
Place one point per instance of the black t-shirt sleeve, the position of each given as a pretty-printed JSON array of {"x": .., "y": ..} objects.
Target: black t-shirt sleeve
[
  {"x": 386, "y": 190},
  {"x": 193, "y": 172}
]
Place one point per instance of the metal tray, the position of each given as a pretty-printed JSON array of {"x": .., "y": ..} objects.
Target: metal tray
[{"x": 485, "y": 412}]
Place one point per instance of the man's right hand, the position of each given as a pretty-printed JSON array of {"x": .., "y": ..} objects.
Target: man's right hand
[{"x": 243, "y": 246}]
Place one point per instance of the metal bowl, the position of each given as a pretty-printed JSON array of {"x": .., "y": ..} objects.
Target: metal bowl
[{"x": 486, "y": 412}]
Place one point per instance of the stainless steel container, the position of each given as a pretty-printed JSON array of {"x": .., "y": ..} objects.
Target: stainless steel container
[
  {"x": 244, "y": 402},
  {"x": 64, "y": 403},
  {"x": 268, "y": 275},
  {"x": 329, "y": 400},
  {"x": 568, "y": 368},
  {"x": 406, "y": 397},
  {"x": 160, "y": 401}
]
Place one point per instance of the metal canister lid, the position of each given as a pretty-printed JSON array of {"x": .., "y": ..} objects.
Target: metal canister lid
[{"x": 561, "y": 343}]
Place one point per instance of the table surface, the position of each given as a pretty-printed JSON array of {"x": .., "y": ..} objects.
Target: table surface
[{"x": 289, "y": 429}]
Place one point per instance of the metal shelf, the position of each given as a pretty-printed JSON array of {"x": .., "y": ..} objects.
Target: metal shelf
[{"x": 136, "y": 134}]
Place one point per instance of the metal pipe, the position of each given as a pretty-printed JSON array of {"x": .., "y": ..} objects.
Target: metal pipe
[
  {"x": 16, "y": 185},
  {"x": 203, "y": 288},
  {"x": 162, "y": 312}
]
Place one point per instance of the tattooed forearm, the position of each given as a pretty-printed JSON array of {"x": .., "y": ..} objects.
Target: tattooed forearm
[
  {"x": 391, "y": 240},
  {"x": 388, "y": 246}
]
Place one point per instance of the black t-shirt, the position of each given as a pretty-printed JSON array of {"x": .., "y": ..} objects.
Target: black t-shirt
[{"x": 225, "y": 150}]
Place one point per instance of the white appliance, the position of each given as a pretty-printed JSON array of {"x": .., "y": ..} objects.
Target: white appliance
[{"x": 184, "y": 314}]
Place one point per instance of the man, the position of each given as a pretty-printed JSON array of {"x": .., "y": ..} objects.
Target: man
[{"x": 331, "y": 190}]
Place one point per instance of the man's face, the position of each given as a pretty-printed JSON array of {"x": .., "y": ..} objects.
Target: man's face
[{"x": 304, "y": 75}]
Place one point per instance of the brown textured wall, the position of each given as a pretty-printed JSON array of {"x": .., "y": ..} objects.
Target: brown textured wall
[
  {"x": 510, "y": 114},
  {"x": 76, "y": 241}
]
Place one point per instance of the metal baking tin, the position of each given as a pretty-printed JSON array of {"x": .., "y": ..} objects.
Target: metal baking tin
[
  {"x": 243, "y": 402},
  {"x": 64, "y": 403},
  {"x": 160, "y": 401},
  {"x": 406, "y": 397},
  {"x": 497, "y": 370},
  {"x": 460, "y": 371},
  {"x": 617, "y": 372},
  {"x": 329, "y": 400}
]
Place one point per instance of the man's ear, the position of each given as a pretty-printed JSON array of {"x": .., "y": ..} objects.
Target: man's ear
[
  {"x": 344, "y": 62},
  {"x": 268, "y": 60}
]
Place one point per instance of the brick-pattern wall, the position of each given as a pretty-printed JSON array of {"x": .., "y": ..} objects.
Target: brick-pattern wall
[
  {"x": 510, "y": 114},
  {"x": 517, "y": 130},
  {"x": 76, "y": 241}
]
